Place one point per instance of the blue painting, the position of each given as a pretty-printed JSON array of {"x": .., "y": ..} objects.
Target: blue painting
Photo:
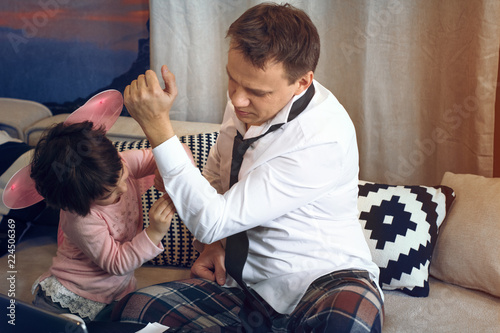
[{"x": 61, "y": 52}]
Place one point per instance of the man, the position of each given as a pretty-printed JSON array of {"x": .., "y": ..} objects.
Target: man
[{"x": 278, "y": 200}]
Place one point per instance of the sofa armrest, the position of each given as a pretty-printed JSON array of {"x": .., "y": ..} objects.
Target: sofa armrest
[
  {"x": 16, "y": 115},
  {"x": 33, "y": 132},
  {"x": 125, "y": 129}
]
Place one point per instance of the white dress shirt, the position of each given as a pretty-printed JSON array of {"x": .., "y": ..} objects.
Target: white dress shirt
[{"x": 296, "y": 196}]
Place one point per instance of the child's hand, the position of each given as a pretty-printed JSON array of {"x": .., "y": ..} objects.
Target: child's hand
[{"x": 160, "y": 217}]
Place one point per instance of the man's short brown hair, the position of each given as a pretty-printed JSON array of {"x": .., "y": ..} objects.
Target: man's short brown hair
[{"x": 278, "y": 33}]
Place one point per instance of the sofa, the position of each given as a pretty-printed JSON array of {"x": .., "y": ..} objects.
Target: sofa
[{"x": 438, "y": 247}]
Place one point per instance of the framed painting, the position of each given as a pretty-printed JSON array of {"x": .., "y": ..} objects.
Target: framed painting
[{"x": 61, "y": 52}]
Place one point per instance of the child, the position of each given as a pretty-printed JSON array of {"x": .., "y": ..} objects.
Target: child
[{"x": 79, "y": 171}]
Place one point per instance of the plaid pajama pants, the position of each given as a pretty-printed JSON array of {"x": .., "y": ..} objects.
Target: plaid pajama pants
[{"x": 344, "y": 301}]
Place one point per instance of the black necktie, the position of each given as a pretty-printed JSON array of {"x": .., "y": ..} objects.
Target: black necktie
[{"x": 237, "y": 245}]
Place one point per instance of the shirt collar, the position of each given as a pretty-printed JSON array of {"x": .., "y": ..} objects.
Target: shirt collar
[{"x": 280, "y": 118}]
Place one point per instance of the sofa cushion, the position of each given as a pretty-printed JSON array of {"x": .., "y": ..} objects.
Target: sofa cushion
[
  {"x": 178, "y": 243},
  {"x": 401, "y": 225},
  {"x": 468, "y": 248}
]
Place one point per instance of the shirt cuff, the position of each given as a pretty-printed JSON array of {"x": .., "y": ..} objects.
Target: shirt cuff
[
  {"x": 200, "y": 247},
  {"x": 170, "y": 154},
  {"x": 147, "y": 243}
]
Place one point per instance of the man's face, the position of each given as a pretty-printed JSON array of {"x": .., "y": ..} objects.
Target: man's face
[{"x": 257, "y": 95}]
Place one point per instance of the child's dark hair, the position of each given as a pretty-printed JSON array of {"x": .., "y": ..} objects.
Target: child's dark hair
[{"x": 73, "y": 165}]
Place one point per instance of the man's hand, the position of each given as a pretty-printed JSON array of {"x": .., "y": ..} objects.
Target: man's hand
[
  {"x": 160, "y": 186},
  {"x": 210, "y": 264},
  {"x": 150, "y": 105},
  {"x": 160, "y": 218},
  {"x": 189, "y": 153}
]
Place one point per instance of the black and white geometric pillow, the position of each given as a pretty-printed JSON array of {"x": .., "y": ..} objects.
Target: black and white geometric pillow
[
  {"x": 401, "y": 226},
  {"x": 178, "y": 243}
]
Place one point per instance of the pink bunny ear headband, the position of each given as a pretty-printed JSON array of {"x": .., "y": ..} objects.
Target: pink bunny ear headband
[{"x": 103, "y": 110}]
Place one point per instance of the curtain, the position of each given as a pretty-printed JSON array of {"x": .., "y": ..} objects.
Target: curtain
[
  {"x": 496, "y": 153},
  {"x": 418, "y": 78}
]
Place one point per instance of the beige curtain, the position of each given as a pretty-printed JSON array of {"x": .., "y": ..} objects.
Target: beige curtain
[{"x": 418, "y": 78}]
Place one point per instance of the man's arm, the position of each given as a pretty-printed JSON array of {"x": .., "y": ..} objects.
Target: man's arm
[{"x": 150, "y": 105}]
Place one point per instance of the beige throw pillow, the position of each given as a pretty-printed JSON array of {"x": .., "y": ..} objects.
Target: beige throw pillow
[{"x": 467, "y": 252}]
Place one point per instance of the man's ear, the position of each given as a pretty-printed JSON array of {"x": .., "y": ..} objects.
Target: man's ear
[{"x": 304, "y": 82}]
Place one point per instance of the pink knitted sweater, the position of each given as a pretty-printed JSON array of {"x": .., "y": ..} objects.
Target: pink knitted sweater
[{"x": 98, "y": 253}]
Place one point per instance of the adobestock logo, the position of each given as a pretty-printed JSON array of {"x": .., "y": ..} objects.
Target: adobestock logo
[
  {"x": 36, "y": 21},
  {"x": 452, "y": 119},
  {"x": 74, "y": 157},
  {"x": 374, "y": 28}
]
